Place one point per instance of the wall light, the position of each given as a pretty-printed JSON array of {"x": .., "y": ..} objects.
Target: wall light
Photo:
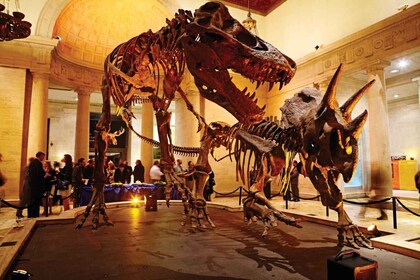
[{"x": 396, "y": 96}]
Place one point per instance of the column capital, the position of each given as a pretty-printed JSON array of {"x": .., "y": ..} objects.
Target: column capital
[
  {"x": 86, "y": 91},
  {"x": 377, "y": 65},
  {"x": 40, "y": 75}
]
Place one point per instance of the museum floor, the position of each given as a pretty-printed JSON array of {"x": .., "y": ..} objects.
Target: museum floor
[{"x": 153, "y": 245}]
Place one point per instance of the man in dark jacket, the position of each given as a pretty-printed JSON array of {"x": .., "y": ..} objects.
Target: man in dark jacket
[
  {"x": 77, "y": 180},
  {"x": 119, "y": 175},
  {"x": 128, "y": 170},
  {"x": 138, "y": 172},
  {"x": 36, "y": 175}
]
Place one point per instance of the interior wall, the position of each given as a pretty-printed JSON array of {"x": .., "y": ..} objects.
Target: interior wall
[
  {"x": 404, "y": 127},
  {"x": 297, "y": 26},
  {"x": 12, "y": 96}
]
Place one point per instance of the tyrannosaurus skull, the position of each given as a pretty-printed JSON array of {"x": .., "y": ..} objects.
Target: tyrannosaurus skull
[{"x": 216, "y": 42}]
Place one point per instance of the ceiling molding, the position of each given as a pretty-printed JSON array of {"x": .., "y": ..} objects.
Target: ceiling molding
[{"x": 261, "y": 7}]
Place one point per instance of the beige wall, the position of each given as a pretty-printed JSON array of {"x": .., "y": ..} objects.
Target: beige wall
[
  {"x": 297, "y": 26},
  {"x": 12, "y": 96},
  {"x": 404, "y": 124}
]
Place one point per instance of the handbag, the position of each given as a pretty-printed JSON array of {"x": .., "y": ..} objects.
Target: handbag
[{"x": 63, "y": 184}]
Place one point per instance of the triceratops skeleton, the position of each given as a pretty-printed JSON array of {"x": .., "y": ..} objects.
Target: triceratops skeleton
[{"x": 211, "y": 42}]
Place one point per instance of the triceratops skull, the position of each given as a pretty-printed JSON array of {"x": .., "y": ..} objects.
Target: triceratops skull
[
  {"x": 329, "y": 135},
  {"x": 216, "y": 42}
]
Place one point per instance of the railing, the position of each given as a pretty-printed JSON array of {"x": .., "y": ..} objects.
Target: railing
[
  {"x": 394, "y": 202},
  {"x": 242, "y": 189},
  {"x": 45, "y": 195}
]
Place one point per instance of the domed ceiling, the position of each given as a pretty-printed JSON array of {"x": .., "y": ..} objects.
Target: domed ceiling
[{"x": 90, "y": 29}]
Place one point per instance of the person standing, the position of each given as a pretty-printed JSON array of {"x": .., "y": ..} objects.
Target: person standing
[
  {"x": 66, "y": 172},
  {"x": 110, "y": 172},
  {"x": 417, "y": 180},
  {"x": 26, "y": 194},
  {"x": 119, "y": 175},
  {"x": 36, "y": 184},
  {"x": 77, "y": 181},
  {"x": 3, "y": 181},
  {"x": 155, "y": 172},
  {"x": 88, "y": 171},
  {"x": 294, "y": 181},
  {"x": 138, "y": 172},
  {"x": 178, "y": 167},
  {"x": 189, "y": 175},
  {"x": 128, "y": 170},
  {"x": 209, "y": 188}
]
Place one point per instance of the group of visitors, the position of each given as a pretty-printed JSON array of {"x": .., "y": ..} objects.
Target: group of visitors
[{"x": 123, "y": 171}]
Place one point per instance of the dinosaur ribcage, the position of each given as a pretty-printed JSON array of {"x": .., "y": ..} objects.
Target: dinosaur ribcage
[{"x": 266, "y": 138}]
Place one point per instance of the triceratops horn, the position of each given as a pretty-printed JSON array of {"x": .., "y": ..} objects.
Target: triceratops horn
[
  {"x": 329, "y": 99},
  {"x": 347, "y": 107},
  {"x": 356, "y": 125}
]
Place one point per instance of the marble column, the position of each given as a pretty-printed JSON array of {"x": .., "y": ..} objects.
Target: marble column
[
  {"x": 186, "y": 123},
  {"x": 378, "y": 124},
  {"x": 38, "y": 120},
  {"x": 417, "y": 80},
  {"x": 146, "y": 156},
  {"x": 81, "y": 146}
]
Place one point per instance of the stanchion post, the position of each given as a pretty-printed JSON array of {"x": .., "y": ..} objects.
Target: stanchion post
[
  {"x": 394, "y": 211},
  {"x": 240, "y": 195},
  {"x": 46, "y": 205},
  {"x": 327, "y": 209},
  {"x": 287, "y": 204}
]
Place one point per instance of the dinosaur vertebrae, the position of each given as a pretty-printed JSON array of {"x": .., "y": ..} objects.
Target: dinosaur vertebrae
[
  {"x": 183, "y": 151},
  {"x": 135, "y": 66}
]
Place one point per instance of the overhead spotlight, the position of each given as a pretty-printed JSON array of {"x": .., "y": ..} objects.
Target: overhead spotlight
[
  {"x": 373, "y": 230},
  {"x": 58, "y": 38},
  {"x": 402, "y": 63},
  {"x": 396, "y": 95}
]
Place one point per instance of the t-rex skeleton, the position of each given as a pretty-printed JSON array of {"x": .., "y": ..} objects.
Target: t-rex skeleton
[{"x": 210, "y": 43}]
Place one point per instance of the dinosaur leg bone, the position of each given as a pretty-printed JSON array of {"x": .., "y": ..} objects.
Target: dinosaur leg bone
[{"x": 331, "y": 196}]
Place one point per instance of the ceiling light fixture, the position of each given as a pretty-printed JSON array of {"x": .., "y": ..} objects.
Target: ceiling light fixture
[
  {"x": 12, "y": 26},
  {"x": 250, "y": 23},
  {"x": 396, "y": 95},
  {"x": 393, "y": 71},
  {"x": 402, "y": 63}
]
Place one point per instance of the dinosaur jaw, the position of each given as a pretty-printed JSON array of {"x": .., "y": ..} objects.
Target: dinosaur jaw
[{"x": 219, "y": 89}]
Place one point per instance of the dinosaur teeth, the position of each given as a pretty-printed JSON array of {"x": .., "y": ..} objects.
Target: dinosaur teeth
[
  {"x": 263, "y": 107},
  {"x": 244, "y": 90},
  {"x": 281, "y": 85},
  {"x": 271, "y": 86},
  {"x": 258, "y": 84},
  {"x": 252, "y": 96}
]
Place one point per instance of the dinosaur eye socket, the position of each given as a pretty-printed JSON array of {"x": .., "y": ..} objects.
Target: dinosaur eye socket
[
  {"x": 228, "y": 25},
  {"x": 246, "y": 38}
]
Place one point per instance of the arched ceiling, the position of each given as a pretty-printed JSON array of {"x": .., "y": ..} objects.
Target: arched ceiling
[{"x": 90, "y": 29}]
